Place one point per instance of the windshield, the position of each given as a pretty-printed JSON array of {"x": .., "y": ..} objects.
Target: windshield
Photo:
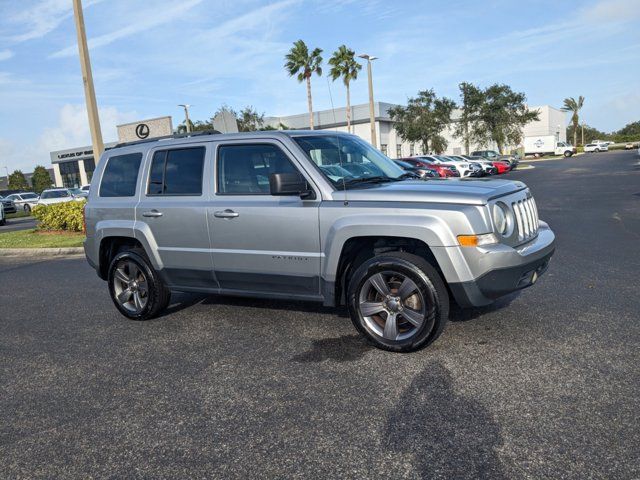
[
  {"x": 55, "y": 194},
  {"x": 348, "y": 161},
  {"x": 27, "y": 196}
]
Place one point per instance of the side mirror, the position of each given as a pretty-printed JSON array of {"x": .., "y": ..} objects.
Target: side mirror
[{"x": 288, "y": 184}]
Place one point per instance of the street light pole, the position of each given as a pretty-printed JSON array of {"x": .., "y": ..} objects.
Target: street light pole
[
  {"x": 87, "y": 80},
  {"x": 372, "y": 113},
  {"x": 186, "y": 116}
]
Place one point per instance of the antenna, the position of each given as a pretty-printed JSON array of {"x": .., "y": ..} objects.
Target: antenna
[{"x": 335, "y": 122}]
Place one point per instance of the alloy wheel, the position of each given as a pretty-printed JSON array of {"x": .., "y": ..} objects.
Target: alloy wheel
[
  {"x": 130, "y": 286},
  {"x": 392, "y": 305}
]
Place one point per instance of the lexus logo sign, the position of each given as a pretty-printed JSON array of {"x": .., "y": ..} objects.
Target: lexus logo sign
[{"x": 142, "y": 131}]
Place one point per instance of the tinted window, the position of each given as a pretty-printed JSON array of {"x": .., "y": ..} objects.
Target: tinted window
[
  {"x": 177, "y": 172},
  {"x": 245, "y": 169},
  {"x": 120, "y": 176},
  {"x": 28, "y": 196},
  {"x": 55, "y": 194}
]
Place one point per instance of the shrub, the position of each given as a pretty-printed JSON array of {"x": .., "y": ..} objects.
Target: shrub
[{"x": 60, "y": 216}]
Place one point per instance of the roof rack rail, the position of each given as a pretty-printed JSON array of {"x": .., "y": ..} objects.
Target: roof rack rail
[{"x": 168, "y": 137}]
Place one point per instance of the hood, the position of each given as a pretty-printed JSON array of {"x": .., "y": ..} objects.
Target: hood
[{"x": 435, "y": 190}]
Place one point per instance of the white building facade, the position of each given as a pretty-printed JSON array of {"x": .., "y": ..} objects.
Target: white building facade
[{"x": 552, "y": 121}]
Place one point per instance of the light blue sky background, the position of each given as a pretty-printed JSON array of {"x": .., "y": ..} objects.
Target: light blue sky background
[{"x": 150, "y": 55}]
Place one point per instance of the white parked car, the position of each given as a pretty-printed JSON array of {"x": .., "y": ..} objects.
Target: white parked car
[
  {"x": 24, "y": 201},
  {"x": 57, "y": 195},
  {"x": 464, "y": 166},
  {"x": 596, "y": 147}
]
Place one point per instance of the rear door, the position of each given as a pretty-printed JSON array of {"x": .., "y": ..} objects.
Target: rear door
[
  {"x": 173, "y": 206},
  {"x": 263, "y": 243}
]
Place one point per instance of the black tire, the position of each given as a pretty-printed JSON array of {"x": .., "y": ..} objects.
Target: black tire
[
  {"x": 431, "y": 292},
  {"x": 158, "y": 295},
  {"x": 27, "y": 208},
  {"x": 3, "y": 222},
  {"x": 568, "y": 154}
]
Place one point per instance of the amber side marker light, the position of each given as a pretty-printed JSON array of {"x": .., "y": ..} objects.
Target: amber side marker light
[{"x": 477, "y": 240}]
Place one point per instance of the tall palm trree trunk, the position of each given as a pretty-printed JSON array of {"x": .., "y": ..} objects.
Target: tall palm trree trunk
[{"x": 309, "y": 101}]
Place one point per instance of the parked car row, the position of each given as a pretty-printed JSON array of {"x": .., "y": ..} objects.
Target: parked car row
[
  {"x": 428, "y": 166},
  {"x": 25, "y": 201}
]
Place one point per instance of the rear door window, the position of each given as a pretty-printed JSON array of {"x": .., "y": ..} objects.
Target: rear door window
[
  {"x": 177, "y": 172},
  {"x": 121, "y": 176}
]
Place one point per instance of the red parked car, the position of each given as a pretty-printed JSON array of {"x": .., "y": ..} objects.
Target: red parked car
[
  {"x": 441, "y": 169},
  {"x": 503, "y": 167}
]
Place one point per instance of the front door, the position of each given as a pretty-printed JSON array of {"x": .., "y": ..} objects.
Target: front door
[{"x": 262, "y": 243}]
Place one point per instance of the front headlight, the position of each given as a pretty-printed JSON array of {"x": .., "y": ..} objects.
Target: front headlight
[{"x": 502, "y": 219}]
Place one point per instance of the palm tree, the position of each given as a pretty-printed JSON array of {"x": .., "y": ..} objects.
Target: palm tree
[
  {"x": 343, "y": 64},
  {"x": 303, "y": 64},
  {"x": 573, "y": 105}
]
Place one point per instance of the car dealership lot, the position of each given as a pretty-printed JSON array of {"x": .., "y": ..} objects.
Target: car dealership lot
[{"x": 542, "y": 384}]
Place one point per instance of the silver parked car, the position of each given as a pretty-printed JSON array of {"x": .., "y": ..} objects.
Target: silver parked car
[
  {"x": 24, "y": 201},
  {"x": 285, "y": 214}
]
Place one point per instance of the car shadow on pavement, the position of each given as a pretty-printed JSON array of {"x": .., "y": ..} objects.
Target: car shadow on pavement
[
  {"x": 457, "y": 314},
  {"x": 448, "y": 434},
  {"x": 347, "y": 348}
]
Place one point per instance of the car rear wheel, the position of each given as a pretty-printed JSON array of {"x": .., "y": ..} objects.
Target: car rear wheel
[
  {"x": 135, "y": 287},
  {"x": 398, "y": 301},
  {"x": 27, "y": 208},
  {"x": 567, "y": 154}
]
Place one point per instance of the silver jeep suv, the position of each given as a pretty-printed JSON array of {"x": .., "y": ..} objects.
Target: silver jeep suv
[{"x": 318, "y": 216}]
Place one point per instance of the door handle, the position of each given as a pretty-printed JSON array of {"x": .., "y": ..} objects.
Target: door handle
[
  {"x": 152, "y": 213},
  {"x": 226, "y": 214}
]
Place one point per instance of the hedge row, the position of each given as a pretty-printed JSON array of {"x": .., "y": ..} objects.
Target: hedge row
[{"x": 60, "y": 216}]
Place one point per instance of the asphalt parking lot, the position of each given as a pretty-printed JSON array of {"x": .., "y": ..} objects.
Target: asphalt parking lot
[
  {"x": 544, "y": 384},
  {"x": 15, "y": 224}
]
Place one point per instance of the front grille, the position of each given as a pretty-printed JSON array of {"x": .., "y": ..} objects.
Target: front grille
[{"x": 526, "y": 214}]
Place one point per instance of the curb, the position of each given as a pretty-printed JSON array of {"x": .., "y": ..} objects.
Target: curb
[{"x": 40, "y": 252}]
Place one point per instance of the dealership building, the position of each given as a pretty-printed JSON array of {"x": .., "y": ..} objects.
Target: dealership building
[
  {"x": 74, "y": 167},
  {"x": 552, "y": 121}
]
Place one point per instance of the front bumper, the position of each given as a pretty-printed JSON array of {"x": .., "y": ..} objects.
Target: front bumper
[{"x": 504, "y": 269}]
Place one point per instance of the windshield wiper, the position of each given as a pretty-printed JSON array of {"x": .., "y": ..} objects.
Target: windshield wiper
[{"x": 361, "y": 180}]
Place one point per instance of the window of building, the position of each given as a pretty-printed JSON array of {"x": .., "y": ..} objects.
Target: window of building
[
  {"x": 89, "y": 168},
  {"x": 383, "y": 148},
  {"x": 177, "y": 172},
  {"x": 121, "y": 176},
  {"x": 70, "y": 173},
  {"x": 398, "y": 151},
  {"x": 245, "y": 169}
]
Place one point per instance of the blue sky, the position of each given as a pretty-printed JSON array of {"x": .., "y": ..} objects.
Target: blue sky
[{"x": 148, "y": 56}]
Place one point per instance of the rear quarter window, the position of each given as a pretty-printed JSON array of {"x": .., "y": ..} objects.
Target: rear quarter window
[{"x": 120, "y": 176}]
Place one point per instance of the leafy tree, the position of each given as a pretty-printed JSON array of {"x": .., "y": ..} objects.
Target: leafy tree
[
  {"x": 304, "y": 64},
  {"x": 574, "y": 106},
  {"x": 628, "y": 133},
  {"x": 17, "y": 181},
  {"x": 501, "y": 117},
  {"x": 40, "y": 180},
  {"x": 249, "y": 120},
  {"x": 197, "y": 126},
  {"x": 472, "y": 99},
  {"x": 344, "y": 65},
  {"x": 590, "y": 133},
  {"x": 423, "y": 120}
]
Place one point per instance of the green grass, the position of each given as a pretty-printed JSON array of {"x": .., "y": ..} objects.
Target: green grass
[
  {"x": 39, "y": 239},
  {"x": 18, "y": 214}
]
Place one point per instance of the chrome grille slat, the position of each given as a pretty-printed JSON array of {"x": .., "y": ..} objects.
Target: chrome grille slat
[{"x": 526, "y": 215}]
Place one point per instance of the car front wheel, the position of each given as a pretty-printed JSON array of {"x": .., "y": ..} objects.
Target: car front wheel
[
  {"x": 398, "y": 301},
  {"x": 135, "y": 287},
  {"x": 27, "y": 208}
]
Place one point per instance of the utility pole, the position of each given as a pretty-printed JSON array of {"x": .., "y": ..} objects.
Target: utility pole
[
  {"x": 186, "y": 116},
  {"x": 372, "y": 112},
  {"x": 87, "y": 80}
]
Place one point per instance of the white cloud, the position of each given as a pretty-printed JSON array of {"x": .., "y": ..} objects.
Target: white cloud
[
  {"x": 5, "y": 54},
  {"x": 71, "y": 130},
  {"x": 39, "y": 18},
  {"x": 612, "y": 11},
  {"x": 150, "y": 19}
]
